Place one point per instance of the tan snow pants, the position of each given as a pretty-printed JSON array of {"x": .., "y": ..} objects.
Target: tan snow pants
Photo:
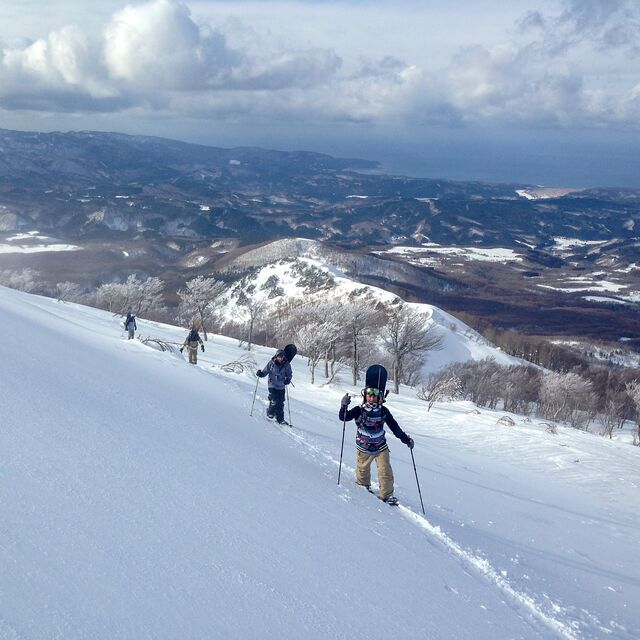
[
  {"x": 192, "y": 348},
  {"x": 385, "y": 473}
]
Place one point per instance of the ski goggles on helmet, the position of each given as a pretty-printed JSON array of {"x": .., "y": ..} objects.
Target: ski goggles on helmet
[{"x": 372, "y": 391}]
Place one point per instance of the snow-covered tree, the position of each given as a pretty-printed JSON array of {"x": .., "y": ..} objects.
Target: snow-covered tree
[
  {"x": 405, "y": 334},
  {"x": 198, "y": 300},
  {"x": 24, "y": 280},
  {"x": 141, "y": 296},
  {"x": 145, "y": 296},
  {"x": 111, "y": 296},
  {"x": 69, "y": 292},
  {"x": 567, "y": 396}
]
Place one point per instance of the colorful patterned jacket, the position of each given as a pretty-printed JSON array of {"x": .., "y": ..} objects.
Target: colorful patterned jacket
[{"x": 370, "y": 420}]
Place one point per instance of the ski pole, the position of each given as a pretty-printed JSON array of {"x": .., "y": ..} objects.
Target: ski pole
[
  {"x": 289, "y": 408},
  {"x": 417, "y": 481},
  {"x": 344, "y": 425},
  {"x": 254, "y": 396}
]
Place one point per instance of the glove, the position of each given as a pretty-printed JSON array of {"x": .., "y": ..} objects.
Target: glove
[
  {"x": 287, "y": 381},
  {"x": 411, "y": 443},
  {"x": 181, "y": 349},
  {"x": 259, "y": 373},
  {"x": 346, "y": 400},
  {"x": 202, "y": 348}
]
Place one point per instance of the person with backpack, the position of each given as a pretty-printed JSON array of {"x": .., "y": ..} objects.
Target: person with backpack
[
  {"x": 371, "y": 417},
  {"x": 130, "y": 324},
  {"x": 191, "y": 342},
  {"x": 279, "y": 371}
]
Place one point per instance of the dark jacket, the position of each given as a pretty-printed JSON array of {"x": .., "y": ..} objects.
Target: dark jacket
[
  {"x": 279, "y": 374},
  {"x": 370, "y": 420},
  {"x": 193, "y": 339},
  {"x": 130, "y": 323}
]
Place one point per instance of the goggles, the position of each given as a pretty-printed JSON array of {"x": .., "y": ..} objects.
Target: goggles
[{"x": 372, "y": 391}]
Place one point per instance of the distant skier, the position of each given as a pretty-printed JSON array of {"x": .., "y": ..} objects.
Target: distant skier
[
  {"x": 191, "y": 342},
  {"x": 130, "y": 324},
  {"x": 279, "y": 371},
  {"x": 371, "y": 443}
]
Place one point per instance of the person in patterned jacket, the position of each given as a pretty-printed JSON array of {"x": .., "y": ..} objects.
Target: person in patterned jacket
[{"x": 371, "y": 417}]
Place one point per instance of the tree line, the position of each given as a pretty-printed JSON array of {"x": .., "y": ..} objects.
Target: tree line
[
  {"x": 356, "y": 330},
  {"x": 554, "y": 395}
]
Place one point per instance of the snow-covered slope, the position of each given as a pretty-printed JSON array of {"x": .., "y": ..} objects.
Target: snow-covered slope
[
  {"x": 309, "y": 277},
  {"x": 140, "y": 500}
]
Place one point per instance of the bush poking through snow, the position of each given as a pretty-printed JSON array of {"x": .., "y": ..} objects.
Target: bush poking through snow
[
  {"x": 156, "y": 343},
  {"x": 242, "y": 364}
]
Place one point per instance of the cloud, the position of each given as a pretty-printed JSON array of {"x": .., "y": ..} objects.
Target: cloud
[
  {"x": 147, "y": 53},
  {"x": 158, "y": 46},
  {"x": 156, "y": 57}
]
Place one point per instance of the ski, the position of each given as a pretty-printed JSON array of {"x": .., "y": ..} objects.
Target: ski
[{"x": 391, "y": 501}]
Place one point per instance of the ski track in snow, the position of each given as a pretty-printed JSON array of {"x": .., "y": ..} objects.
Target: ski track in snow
[{"x": 518, "y": 599}]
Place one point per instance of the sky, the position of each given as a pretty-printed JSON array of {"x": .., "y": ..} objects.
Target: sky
[{"x": 539, "y": 91}]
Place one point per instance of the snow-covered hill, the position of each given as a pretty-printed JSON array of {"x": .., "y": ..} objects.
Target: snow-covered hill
[
  {"x": 310, "y": 273},
  {"x": 140, "y": 500}
]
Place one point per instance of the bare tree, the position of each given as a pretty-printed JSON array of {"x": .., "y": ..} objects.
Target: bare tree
[
  {"x": 315, "y": 327},
  {"x": 360, "y": 319},
  {"x": 407, "y": 333},
  {"x": 440, "y": 386},
  {"x": 198, "y": 299},
  {"x": 614, "y": 412},
  {"x": 255, "y": 307},
  {"x": 633, "y": 390}
]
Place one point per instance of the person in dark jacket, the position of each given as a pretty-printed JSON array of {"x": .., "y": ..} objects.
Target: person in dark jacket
[
  {"x": 371, "y": 417},
  {"x": 191, "y": 342},
  {"x": 130, "y": 324},
  {"x": 279, "y": 371}
]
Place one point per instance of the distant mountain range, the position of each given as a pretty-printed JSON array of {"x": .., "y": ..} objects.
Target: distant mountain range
[{"x": 541, "y": 261}]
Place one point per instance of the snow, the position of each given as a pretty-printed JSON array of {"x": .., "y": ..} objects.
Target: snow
[
  {"x": 460, "y": 342},
  {"x": 632, "y": 267},
  {"x": 562, "y": 244},
  {"x": 604, "y": 299},
  {"x": 140, "y": 499},
  {"x": 602, "y": 286},
  {"x": 421, "y": 255},
  {"x": 28, "y": 235},
  {"x": 36, "y": 248},
  {"x": 543, "y": 193}
]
